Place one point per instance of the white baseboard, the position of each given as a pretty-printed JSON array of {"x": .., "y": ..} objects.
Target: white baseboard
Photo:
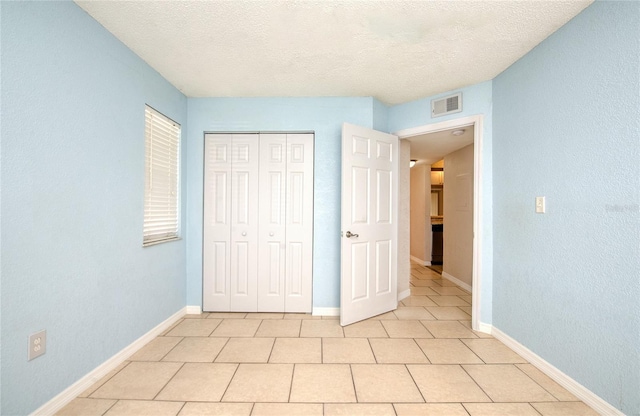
[
  {"x": 482, "y": 327},
  {"x": 577, "y": 389},
  {"x": 420, "y": 261},
  {"x": 404, "y": 294},
  {"x": 71, "y": 392},
  {"x": 457, "y": 281},
  {"x": 194, "y": 310},
  {"x": 326, "y": 312}
]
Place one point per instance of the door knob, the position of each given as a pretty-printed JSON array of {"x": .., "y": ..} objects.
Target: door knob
[
  {"x": 244, "y": 233},
  {"x": 271, "y": 234},
  {"x": 349, "y": 234}
]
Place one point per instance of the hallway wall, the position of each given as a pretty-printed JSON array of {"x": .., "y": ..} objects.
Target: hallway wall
[
  {"x": 458, "y": 215},
  {"x": 420, "y": 212}
]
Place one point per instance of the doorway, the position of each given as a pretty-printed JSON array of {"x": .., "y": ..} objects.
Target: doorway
[{"x": 474, "y": 123}]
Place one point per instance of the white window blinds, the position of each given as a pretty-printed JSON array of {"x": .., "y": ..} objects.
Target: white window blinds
[{"x": 162, "y": 167}]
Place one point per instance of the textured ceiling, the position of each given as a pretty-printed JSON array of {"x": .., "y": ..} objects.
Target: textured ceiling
[
  {"x": 396, "y": 51},
  {"x": 431, "y": 147}
]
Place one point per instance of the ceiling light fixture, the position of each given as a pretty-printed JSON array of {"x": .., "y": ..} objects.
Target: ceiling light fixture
[
  {"x": 458, "y": 132},
  {"x": 412, "y": 163}
]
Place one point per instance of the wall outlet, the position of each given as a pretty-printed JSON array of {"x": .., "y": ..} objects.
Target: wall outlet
[
  {"x": 540, "y": 205},
  {"x": 37, "y": 344}
]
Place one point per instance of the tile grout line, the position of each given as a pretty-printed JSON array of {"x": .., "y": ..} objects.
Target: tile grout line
[
  {"x": 384, "y": 328},
  {"x": 172, "y": 327},
  {"x": 535, "y": 409},
  {"x": 474, "y": 380},
  {"x": 428, "y": 332},
  {"x": 182, "y": 407},
  {"x": 168, "y": 381},
  {"x": 273, "y": 344},
  {"x": 421, "y": 350},
  {"x": 465, "y": 408},
  {"x": 293, "y": 373},
  {"x": 110, "y": 407},
  {"x": 221, "y": 349},
  {"x": 107, "y": 380},
  {"x": 406, "y": 367},
  {"x": 171, "y": 349},
  {"x": 353, "y": 383},
  {"x": 532, "y": 379},
  {"x": 228, "y": 384},
  {"x": 375, "y": 357},
  {"x": 258, "y": 329}
]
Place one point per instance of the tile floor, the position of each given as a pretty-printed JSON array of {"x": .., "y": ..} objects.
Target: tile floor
[{"x": 422, "y": 359}]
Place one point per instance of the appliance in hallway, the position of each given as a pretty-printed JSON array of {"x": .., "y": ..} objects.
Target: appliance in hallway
[{"x": 436, "y": 247}]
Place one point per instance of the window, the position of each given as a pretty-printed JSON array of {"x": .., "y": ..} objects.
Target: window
[{"x": 162, "y": 167}]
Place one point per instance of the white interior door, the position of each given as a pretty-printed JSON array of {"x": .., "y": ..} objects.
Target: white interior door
[{"x": 369, "y": 223}]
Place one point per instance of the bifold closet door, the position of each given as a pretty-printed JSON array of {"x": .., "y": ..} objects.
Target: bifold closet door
[
  {"x": 272, "y": 228},
  {"x": 286, "y": 223},
  {"x": 230, "y": 245},
  {"x": 299, "y": 223},
  {"x": 258, "y": 222}
]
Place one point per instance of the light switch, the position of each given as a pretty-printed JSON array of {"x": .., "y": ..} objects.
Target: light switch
[{"x": 540, "y": 208}]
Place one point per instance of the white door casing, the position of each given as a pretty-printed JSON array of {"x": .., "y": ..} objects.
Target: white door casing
[
  {"x": 477, "y": 121},
  {"x": 369, "y": 223}
]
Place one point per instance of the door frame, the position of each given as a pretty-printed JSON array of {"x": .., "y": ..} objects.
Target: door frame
[{"x": 477, "y": 122}]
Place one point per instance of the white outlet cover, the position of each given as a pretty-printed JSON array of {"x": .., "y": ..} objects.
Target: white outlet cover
[{"x": 37, "y": 344}]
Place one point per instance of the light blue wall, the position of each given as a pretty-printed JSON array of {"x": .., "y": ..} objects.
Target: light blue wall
[
  {"x": 73, "y": 183},
  {"x": 324, "y": 116},
  {"x": 380, "y": 116},
  {"x": 476, "y": 100},
  {"x": 566, "y": 126}
]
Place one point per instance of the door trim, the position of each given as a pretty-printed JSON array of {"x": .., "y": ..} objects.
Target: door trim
[{"x": 477, "y": 122}]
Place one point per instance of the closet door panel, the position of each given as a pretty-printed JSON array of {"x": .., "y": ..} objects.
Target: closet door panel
[
  {"x": 217, "y": 217},
  {"x": 244, "y": 222},
  {"x": 258, "y": 222},
  {"x": 272, "y": 227},
  {"x": 299, "y": 223}
]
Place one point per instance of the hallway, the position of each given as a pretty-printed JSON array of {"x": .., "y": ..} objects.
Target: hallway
[{"x": 422, "y": 359}]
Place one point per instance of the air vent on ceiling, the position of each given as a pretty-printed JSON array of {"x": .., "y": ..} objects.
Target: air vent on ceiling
[{"x": 446, "y": 105}]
